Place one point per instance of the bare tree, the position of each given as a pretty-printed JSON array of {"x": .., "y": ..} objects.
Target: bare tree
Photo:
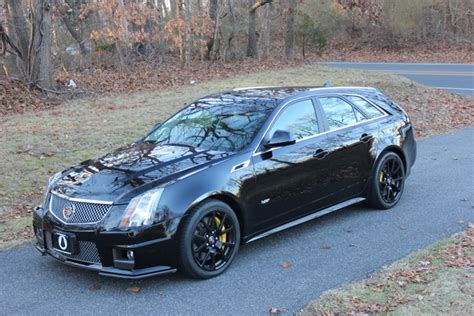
[
  {"x": 268, "y": 29},
  {"x": 69, "y": 11},
  {"x": 211, "y": 43},
  {"x": 290, "y": 29},
  {"x": 230, "y": 50},
  {"x": 252, "y": 33},
  {"x": 32, "y": 41}
]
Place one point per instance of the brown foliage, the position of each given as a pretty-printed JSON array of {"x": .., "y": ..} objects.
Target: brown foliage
[{"x": 17, "y": 97}]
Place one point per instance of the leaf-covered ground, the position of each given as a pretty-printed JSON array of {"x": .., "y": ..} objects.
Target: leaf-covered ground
[
  {"x": 442, "y": 52},
  {"x": 37, "y": 144},
  {"x": 436, "y": 281}
]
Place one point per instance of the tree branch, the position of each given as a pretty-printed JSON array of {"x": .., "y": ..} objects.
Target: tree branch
[{"x": 259, "y": 4}]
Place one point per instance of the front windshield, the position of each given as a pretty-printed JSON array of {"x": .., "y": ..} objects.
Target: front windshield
[{"x": 213, "y": 125}]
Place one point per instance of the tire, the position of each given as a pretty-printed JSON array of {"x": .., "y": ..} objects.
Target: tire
[
  {"x": 209, "y": 240},
  {"x": 388, "y": 182}
]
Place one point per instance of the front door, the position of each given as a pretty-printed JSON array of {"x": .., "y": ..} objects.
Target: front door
[{"x": 290, "y": 179}]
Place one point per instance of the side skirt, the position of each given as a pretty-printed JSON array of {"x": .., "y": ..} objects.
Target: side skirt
[{"x": 307, "y": 218}]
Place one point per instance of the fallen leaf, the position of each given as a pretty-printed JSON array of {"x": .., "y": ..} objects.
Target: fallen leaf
[
  {"x": 95, "y": 286},
  {"x": 460, "y": 221},
  {"x": 285, "y": 265},
  {"x": 274, "y": 311},
  {"x": 133, "y": 289},
  {"x": 325, "y": 247},
  {"x": 403, "y": 227}
]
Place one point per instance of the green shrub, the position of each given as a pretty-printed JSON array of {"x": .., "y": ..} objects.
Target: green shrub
[{"x": 310, "y": 36}]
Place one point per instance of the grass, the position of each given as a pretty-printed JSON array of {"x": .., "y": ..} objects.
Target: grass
[
  {"x": 37, "y": 144},
  {"x": 438, "y": 280}
]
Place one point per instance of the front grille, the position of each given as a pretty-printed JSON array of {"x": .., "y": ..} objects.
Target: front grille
[
  {"x": 87, "y": 253},
  {"x": 80, "y": 212}
]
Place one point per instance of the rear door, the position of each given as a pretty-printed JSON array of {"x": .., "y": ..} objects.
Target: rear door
[{"x": 351, "y": 137}]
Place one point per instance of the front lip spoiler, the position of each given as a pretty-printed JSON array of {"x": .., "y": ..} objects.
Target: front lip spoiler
[{"x": 117, "y": 273}]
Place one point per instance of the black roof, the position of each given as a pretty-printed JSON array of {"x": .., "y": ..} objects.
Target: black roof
[
  {"x": 270, "y": 93},
  {"x": 270, "y": 97}
]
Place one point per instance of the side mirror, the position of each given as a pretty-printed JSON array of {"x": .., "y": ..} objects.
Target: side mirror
[{"x": 280, "y": 138}]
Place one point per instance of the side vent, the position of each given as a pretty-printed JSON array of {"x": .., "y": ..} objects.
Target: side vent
[{"x": 241, "y": 165}]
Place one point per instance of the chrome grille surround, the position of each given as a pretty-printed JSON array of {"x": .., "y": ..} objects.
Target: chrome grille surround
[{"x": 84, "y": 211}]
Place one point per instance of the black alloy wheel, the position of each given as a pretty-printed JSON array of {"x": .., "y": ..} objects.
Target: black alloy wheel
[
  {"x": 388, "y": 182},
  {"x": 210, "y": 239}
]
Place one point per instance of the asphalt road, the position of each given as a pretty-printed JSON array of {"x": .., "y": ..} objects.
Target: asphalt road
[
  {"x": 456, "y": 78},
  {"x": 323, "y": 254}
]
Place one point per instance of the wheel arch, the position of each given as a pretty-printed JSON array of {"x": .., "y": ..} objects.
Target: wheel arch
[
  {"x": 392, "y": 148},
  {"x": 226, "y": 198},
  {"x": 395, "y": 149}
]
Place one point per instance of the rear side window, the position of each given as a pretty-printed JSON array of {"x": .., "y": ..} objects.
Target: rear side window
[
  {"x": 298, "y": 118},
  {"x": 369, "y": 109},
  {"x": 339, "y": 113}
]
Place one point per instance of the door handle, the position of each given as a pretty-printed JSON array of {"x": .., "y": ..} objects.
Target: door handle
[
  {"x": 366, "y": 138},
  {"x": 320, "y": 154}
]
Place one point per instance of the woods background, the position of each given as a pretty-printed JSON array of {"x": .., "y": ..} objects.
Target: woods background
[{"x": 40, "y": 37}]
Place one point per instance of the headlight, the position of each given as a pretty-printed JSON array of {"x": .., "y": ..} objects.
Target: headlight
[
  {"x": 52, "y": 180},
  {"x": 141, "y": 211}
]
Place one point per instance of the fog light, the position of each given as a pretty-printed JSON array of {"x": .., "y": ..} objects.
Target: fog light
[
  {"x": 130, "y": 255},
  {"x": 39, "y": 233}
]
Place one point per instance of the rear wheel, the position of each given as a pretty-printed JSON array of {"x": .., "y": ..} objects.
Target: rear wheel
[
  {"x": 388, "y": 182},
  {"x": 209, "y": 240}
]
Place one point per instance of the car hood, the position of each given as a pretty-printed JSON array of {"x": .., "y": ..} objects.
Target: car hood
[{"x": 131, "y": 170}]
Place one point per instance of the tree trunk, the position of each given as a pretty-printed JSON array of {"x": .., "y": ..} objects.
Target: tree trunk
[
  {"x": 231, "y": 49},
  {"x": 124, "y": 24},
  {"x": 212, "y": 40},
  {"x": 178, "y": 8},
  {"x": 41, "y": 73},
  {"x": 252, "y": 36},
  {"x": 69, "y": 11},
  {"x": 161, "y": 32},
  {"x": 18, "y": 26},
  {"x": 33, "y": 44},
  {"x": 268, "y": 29},
  {"x": 290, "y": 31},
  {"x": 187, "y": 32},
  {"x": 11, "y": 63},
  {"x": 252, "y": 32},
  {"x": 74, "y": 33}
]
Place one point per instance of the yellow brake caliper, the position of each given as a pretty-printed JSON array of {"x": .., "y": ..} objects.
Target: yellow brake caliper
[
  {"x": 381, "y": 177},
  {"x": 223, "y": 237}
]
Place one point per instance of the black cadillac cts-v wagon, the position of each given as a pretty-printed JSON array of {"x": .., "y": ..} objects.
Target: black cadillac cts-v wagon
[{"x": 228, "y": 169}]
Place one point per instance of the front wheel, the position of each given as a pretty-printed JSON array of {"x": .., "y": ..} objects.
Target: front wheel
[
  {"x": 388, "y": 182},
  {"x": 209, "y": 240}
]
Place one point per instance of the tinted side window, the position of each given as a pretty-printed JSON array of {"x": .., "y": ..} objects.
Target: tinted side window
[
  {"x": 339, "y": 113},
  {"x": 298, "y": 118},
  {"x": 368, "y": 108}
]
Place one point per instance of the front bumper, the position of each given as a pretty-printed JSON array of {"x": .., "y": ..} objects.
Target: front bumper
[{"x": 130, "y": 254}]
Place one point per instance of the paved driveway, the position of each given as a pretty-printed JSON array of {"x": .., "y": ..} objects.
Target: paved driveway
[
  {"x": 456, "y": 78},
  {"x": 323, "y": 254}
]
